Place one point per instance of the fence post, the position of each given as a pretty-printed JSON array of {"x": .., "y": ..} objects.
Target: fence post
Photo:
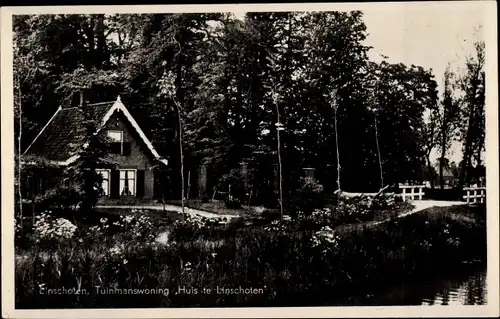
[
  {"x": 468, "y": 194},
  {"x": 412, "y": 196},
  {"x": 404, "y": 194},
  {"x": 420, "y": 189},
  {"x": 475, "y": 195}
]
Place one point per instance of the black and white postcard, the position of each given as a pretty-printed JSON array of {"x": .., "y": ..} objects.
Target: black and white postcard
[{"x": 267, "y": 160}]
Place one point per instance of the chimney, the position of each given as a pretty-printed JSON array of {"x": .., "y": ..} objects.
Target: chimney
[{"x": 80, "y": 97}]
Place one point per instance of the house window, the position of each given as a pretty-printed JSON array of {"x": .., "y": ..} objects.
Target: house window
[
  {"x": 127, "y": 182},
  {"x": 105, "y": 180},
  {"x": 116, "y": 139}
]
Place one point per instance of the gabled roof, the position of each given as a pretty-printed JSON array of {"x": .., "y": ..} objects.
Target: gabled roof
[{"x": 63, "y": 135}]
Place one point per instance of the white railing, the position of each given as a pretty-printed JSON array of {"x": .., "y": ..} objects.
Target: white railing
[
  {"x": 475, "y": 195},
  {"x": 412, "y": 195}
]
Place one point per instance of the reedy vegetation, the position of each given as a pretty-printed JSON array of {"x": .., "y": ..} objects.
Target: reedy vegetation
[{"x": 296, "y": 261}]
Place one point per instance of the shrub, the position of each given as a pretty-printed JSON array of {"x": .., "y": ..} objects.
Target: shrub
[
  {"x": 194, "y": 225},
  {"x": 233, "y": 203},
  {"x": 309, "y": 196},
  {"x": 293, "y": 264},
  {"x": 205, "y": 199},
  {"x": 47, "y": 229}
]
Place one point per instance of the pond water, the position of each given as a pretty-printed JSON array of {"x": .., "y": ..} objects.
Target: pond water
[{"x": 463, "y": 287}]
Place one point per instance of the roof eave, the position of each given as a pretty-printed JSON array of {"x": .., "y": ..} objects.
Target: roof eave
[{"x": 117, "y": 106}]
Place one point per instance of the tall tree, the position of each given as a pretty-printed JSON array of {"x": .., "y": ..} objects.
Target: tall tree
[
  {"x": 336, "y": 61},
  {"x": 449, "y": 118},
  {"x": 472, "y": 84},
  {"x": 168, "y": 88},
  {"x": 429, "y": 141},
  {"x": 404, "y": 94}
]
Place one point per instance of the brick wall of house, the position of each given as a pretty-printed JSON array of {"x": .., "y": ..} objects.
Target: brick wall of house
[
  {"x": 149, "y": 182},
  {"x": 139, "y": 157}
]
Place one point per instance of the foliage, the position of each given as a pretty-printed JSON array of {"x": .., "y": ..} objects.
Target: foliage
[
  {"x": 291, "y": 266},
  {"x": 309, "y": 196},
  {"x": 226, "y": 74},
  {"x": 46, "y": 228},
  {"x": 448, "y": 121},
  {"x": 80, "y": 176},
  {"x": 472, "y": 132}
]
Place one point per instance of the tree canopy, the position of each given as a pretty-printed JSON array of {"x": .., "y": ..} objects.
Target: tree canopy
[{"x": 230, "y": 76}]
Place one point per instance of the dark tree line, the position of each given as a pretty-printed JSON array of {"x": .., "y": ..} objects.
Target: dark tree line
[{"x": 225, "y": 80}]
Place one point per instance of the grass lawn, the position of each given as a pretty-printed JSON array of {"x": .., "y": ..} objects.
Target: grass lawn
[{"x": 300, "y": 262}]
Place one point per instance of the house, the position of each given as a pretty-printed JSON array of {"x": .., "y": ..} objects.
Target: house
[
  {"x": 450, "y": 177},
  {"x": 133, "y": 154}
]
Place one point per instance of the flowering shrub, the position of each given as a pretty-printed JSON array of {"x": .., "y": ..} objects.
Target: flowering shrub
[
  {"x": 136, "y": 226},
  {"x": 326, "y": 240},
  {"x": 141, "y": 226},
  {"x": 383, "y": 202},
  {"x": 46, "y": 228},
  {"x": 93, "y": 230},
  {"x": 313, "y": 261},
  {"x": 195, "y": 224},
  {"x": 163, "y": 238},
  {"x": 116, "y": 251},
  {"x": 355, "y": 211},
  {"x": 322, "y": 216},
  {"x": 362, "y": 208},
  {"x": 17, "y": 227},
  {"x": 276, "y": 226}
]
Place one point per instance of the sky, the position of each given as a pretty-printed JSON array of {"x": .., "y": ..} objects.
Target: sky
[
  {"x": 427, "y": 37},
  {"x": 424, "y": 36}
]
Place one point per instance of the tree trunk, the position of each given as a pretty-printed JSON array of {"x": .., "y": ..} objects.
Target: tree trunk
[
  {"x": 189, "y": 184},
  {"x": 379, "y": 156},
  {"x": 279, "y": 160},
  {"x": 337, "y": 146},
  {"x": 466, "y": 161},
  {"x": 182, "y": 158},
  {"x": 441, "y": 163},
  {"x": 429, "y": 168},
  {"x": 19, "y": 161}
]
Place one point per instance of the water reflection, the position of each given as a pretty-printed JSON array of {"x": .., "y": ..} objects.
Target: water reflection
[
  {"x": 471, "y": 291},
  {"x": 460, "y": 288}
]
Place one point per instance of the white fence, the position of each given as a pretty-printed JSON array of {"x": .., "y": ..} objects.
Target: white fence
[
  {"x": 415, "y": 192},
  {"x": 475, "y": 195}
]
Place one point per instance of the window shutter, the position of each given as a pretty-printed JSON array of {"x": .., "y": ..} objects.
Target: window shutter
[
  {"x": 114, "y": 148},
  {"x": 126, "y": 148},
  {"x": 36, "y": 185},
  {"x": 115, "y": 184},
  {"x": 140, "y": 183}
]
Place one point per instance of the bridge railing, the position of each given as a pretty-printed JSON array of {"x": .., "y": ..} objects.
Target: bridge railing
[
  {"x": 475, "y": 195},
  {"x": 411, "y": 192}
]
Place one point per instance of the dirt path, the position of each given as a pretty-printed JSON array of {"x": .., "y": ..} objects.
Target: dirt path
[
  {"x": 421, "y": 205},
  {"x": 169, "y": 207}
]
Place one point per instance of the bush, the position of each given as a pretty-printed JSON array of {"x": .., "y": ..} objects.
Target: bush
[
  {"x": 205, "y": 199},
  {"x": 293, "y": 264},
  {"x": 300, "y": 262},
  {"x": 233, "y": 204},
  {"x": 309, "y": 197},
  {"x": 268, "y": 198},
  {"x": 50, "y": 229}
]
